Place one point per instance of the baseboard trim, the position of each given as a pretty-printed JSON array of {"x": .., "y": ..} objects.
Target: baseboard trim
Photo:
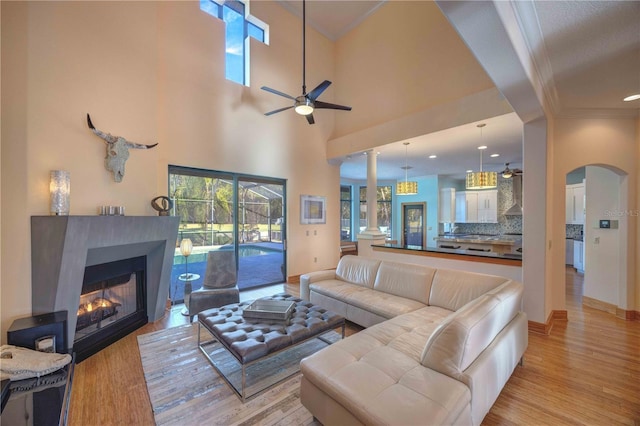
[
  {"x": 293, "y": 279},
  {"x": 627, "y": 315},
  {"x": 600, "y": 305},
  {"x": 610, "y": 308},
  {"x": 545, "y": 328}
]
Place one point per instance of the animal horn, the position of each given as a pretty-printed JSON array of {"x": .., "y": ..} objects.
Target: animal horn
[
  {"x": 140, "y": 145},
  {"x": 89, "y": 123}
]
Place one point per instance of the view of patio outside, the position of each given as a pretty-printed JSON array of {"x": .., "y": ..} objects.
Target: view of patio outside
[{"x": 209, "y": 218}]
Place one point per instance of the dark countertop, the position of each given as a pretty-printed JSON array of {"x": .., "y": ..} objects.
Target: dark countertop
[{"x": 515, "y": 258}]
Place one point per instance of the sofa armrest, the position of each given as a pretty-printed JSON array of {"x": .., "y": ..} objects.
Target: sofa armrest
[
  {"x": 313, "y": 277},
  {"x": 463, "y": 335}
]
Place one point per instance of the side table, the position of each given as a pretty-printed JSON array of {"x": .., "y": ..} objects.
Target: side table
[{"x": 42, "y": 401}]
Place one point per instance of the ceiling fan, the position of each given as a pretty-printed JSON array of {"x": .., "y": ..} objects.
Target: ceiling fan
[
  {"x": 307, "y": 102},
  {"x": 507, "y": 172}
]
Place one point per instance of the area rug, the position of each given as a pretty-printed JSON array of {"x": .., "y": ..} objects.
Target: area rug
[{"x": 185, "y": 389}]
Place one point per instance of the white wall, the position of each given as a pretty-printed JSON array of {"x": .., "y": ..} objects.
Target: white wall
[
  {"x": 606, "y": 142},
  {"x": 603, "y": 257}
]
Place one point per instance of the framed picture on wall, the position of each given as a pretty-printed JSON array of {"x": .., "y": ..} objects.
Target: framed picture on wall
[{"x": 313, "y": 209}]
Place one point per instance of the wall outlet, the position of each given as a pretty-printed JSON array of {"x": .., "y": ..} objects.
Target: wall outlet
[
  {"x": 307, "y": 232},
  {"x": 315, "y": 232},
  {"x": 315, "y": 260}
]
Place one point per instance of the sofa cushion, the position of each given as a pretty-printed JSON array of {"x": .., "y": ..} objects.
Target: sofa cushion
[
  {"x": 377, "y": 302},
  {"x": 376, "y": 374},
  {"x": 454, "y": 289},
  {"x": 405, "y": 280},
  {"x": 383, "y": 304},
  {"x": 463, "y": 335},
  {"x": 357, "y": 270}
]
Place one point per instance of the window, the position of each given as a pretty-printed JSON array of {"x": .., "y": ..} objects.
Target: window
[
  {"x": 384, "y": 209},
  {"x": 345, "y": 213},
  {"x": 228, "y": 211},
  {"x": 240, "y": 25}
]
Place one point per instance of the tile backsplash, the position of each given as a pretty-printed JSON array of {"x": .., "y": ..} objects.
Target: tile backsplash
[
  {"x": 505, "y": 225},
  {"x": 575, "y": 231}
]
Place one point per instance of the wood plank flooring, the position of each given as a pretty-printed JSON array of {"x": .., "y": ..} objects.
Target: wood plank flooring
[{"x": 587, "y": 371}]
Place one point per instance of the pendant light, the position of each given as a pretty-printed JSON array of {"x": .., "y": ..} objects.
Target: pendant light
[
  {"x": 481, "y": 180},
  {"x": 406, "y": 187}
]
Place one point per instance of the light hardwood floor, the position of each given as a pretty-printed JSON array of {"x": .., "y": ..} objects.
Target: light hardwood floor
[{"x": 587, "y": 371}]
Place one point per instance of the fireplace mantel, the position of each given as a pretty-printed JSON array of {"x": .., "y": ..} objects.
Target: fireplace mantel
[{"x": 62, "y": 246}]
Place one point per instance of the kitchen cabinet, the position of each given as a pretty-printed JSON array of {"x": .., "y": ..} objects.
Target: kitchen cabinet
[
  {"x": 447, "y": 210},
  {"x": 578, "y": 255},
  {"x": 477, "y": 206},
  {"x": 575, "y": 204},
  {"x": 488, "y": 206},
  {"x": 568, "y": 252},
  {"x": 467, "y": 207}
]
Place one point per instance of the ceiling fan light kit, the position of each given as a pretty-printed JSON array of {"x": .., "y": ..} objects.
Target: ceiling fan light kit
[
  {"x": 306, "y": 103},
  {"x": 508, "y": 173},
  {"x": 303, "y": 106},
  {"x": 481, "y": 179}
]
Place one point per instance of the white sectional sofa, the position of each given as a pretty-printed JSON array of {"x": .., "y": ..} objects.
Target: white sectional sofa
[{"x": 439, "y": 347}]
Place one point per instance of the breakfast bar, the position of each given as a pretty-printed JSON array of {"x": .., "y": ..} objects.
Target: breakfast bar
[{"x": 503, "y": 264}]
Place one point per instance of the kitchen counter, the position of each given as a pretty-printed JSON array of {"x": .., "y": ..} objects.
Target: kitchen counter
[
  {"x": 473, "y": 256},
  {"x": 501, "y": 244},
  {"x": 507, "y": 240}
]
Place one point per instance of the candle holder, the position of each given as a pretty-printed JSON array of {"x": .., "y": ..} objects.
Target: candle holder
[{"x": 60, "y": 190}]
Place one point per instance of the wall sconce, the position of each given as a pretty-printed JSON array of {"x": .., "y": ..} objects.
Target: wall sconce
[{"x": 59, "y": 190}]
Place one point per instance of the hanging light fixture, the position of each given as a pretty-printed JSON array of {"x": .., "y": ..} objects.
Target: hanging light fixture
[
  {"x": 481, "y": 180},
  {"x": 406, "y": 187}
]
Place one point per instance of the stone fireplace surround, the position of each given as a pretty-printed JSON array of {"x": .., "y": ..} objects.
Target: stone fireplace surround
[{"x": 62, "y": 246}]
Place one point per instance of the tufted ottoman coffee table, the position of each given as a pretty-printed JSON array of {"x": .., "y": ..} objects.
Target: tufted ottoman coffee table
[{"x": 253, "y": 355}]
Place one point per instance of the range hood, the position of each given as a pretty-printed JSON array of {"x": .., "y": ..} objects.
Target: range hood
[{"x": 516, "y": 208}]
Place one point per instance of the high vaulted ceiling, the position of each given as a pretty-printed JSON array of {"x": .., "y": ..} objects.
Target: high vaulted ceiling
[{"x": 587, "y": 52}]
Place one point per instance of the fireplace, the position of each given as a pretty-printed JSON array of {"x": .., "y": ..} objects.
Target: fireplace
[
  {"x": 69, "y": 257},
  {"x": 112, "y": 304}
]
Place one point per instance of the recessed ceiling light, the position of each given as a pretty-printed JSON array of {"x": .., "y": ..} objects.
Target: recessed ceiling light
[
  {"x": 469, "y": 171},
  {"x": 632, "y": 97},
  {"x": 482, "y": 147},
  {"x": 495, "y": 155},
  {"x": 433, "y": 156}
]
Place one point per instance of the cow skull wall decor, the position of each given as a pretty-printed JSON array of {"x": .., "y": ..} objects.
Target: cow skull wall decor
[{"x": 117, "y": 151}]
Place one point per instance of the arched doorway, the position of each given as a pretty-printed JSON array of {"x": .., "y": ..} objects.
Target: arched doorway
[{"x": 603, "y": 229}]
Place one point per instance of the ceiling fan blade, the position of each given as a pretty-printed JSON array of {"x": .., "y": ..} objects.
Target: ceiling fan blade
[
  {"x": 278, "y": 110},
  {"x": 277, "y": 92},
  {"x": 327, "y": 105},
  {"x": 310, "y": 119},
  {"x": 313, "y": 95}
]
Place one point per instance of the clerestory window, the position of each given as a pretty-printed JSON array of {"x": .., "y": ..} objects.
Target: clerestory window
[{"x": 240, "y": 25}]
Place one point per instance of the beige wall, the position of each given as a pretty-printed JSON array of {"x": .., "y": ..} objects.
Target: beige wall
[
  {"x": 394, "y": 68},
  {"x": 605, "y": 142},
  {"x": 152, "y": 72}
]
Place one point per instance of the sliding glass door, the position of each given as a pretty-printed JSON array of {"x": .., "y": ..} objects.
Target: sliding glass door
[
  {"x": 228, "y": 211},
  {"x": 261, "y": 225}
]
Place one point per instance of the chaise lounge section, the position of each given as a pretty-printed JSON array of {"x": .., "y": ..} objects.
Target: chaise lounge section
[{"x": 439, "y": 347}]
